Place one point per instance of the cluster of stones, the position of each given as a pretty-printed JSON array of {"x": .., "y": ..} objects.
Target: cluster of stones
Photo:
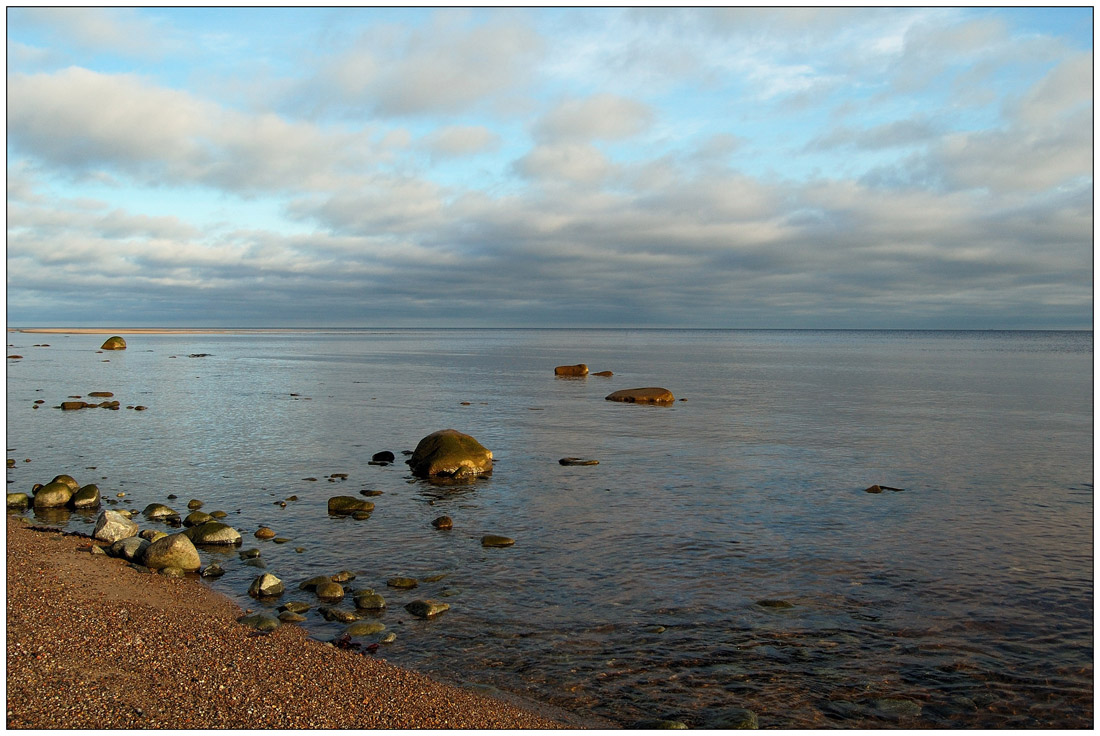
[
  {"x": 61, "y": 492},
  {"x": 108, "y": 404}
]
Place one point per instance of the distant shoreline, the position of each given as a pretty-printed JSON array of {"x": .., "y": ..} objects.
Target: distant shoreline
[{"x": 150, "y": 330}]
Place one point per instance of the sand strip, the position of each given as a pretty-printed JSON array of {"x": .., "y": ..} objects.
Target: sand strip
[{"x": 93, "y": 643}]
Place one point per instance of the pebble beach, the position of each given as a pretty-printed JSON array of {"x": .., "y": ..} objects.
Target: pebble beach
[{"x": 94, "y": 643}]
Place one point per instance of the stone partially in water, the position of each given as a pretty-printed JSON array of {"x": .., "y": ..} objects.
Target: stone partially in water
[
  {"x": 657, "y": 724},
  {"x": 774, "y": 603},
  {"x": 53, "y": 495},
  {"x": 67, "y": 480},
  {"x": 370, "y": 602},
  {"x": 18, "y": 500},
  {"x": 87, "y": 497},
  {"x": 197, "y": 517},
  {"x": 330, "y": 591},
  {"x": 734, "y": 718},
  {"x": 295, "y": 606},
  {"x": 265, "y": 533},
  {"x": 426, "y": 608},
  {"x": 898, "y": 707},
  {"x": 580, "y": 369},
  {"x": 649, "y": 395},
  {"x": 260, "y": 621},
  {"x": 214, "y": 533},
  {"x": 451, "y": 454},
  {"x": 496, "y": 540},
  {"x": 158, "y": 511},
  {"x": 365, "y": 628},
  {"x": 577, "y": 461},
  {"x": 113, "y": 343},
  {"x": 129, "y": 549},
  {"x": 337, "y": 614},
  {"x": 443, "y": 522},
  {"x": 340, "y": 505},
  {"x": 266, "y": 586},
  {"x": 402, "y": 583},
  {"x": 289, "y": 617},
  {"x": 383, "y": 457}
]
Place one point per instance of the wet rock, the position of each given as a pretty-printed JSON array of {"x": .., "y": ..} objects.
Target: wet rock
[
  {"x": 879, "y": 489},
  {"x": 113, "y": 343},
  {"x": 173, "y": 572},
  {"x": 604, "y": 374},
  {"x": 158, "y": 511},
  {"x": 774, "y": 603},
  {"x": 18, "y": 500},
  {"x": 313, "y": 582},
  {"x": 443, "y": 522},
  {"x": 87, "y": 497},
  {"x": 496, "y": 540},
  {"x": 450, "y": 453},
  {"x": 52, "y": 495},
  {"x": 361, "y": 515},
  {"x": 214, "y": 533},
  {"x": 174, "y": 550},
  {"x": 580, "y": 369},
  {"x": 266, "y": 586},
  {"x": 389, "y": 638},
  {"x": 194, "y": 503},
  {"x": 330, "y": 591},
  {"x": 657, "y": 724},
  {"x": 342, "y": 505},
  {"x": 383, "y": 457},
  {"x": 152, "y": 535},
  {"x": 218, "y": 514},
  {"x": 369, "y": 493},
  {"x": 365, "y": 628},
  {"x": 577, "y": 461},
  {"x": 67, "y": 480},
  {"x": 112, "y": 526},
  {"x": 370, "y": 601},
  {"x": 264, "y": 533},
  {"x": 650, "y": 395},
  {"x": 337, "y": 614},
  {"x": 295, "y": 606},
  {"x": 343, "y": 576},
  {"x": 248, "y": 554},
  {"x": 426, "y": 608},
  {"x": 213, "y": 570},
  {"x": 898, "y": 707},
  {"x": 260, "y": 621},
  {"x": 402, "y": 583},
  {"x": 197, "y": 517},
  {"x": 289, "y": 617},
  {"x": 101, "y": 394}
]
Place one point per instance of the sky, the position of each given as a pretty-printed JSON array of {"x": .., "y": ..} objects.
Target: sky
[{"x": 889, "y": 167}]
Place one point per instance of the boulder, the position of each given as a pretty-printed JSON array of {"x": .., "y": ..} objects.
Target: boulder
[
  {"x": 383, "y": 457},
  {"x": 450, "y": 453},
  {"x": 426, "y": 608},
  {"x": 158, "y": 511},
  {"x": 194, "y": 503},
  {"x": 197, "y": 517},
  {"x": 213, "y": 532},
  {"x": 52, "y": 495},
  {"x": 330, "y": 591},
  {"x": 112, "y": 526},
  {"x": 365, "y": 628},
  {"x": 86, "y": 497},
  {"x": 73, "y": 405},
  {"x": 266, "y": 586},
  {"x": 152, "y": 534},
  {"x": 18, "y": 500},
  {"x": 130, "y": 548},
  {"x": 264, "y": 533},
  {"x": 174, "y": 550},
  {"x": 443, "y": 522},
  {"x": 113, "y": 343},
  {"x": 650, "y": 395},
  {"x": 67, "y": 480},
  {"x": 580, "y": 369},
  {"x": 370, "y": 602},
  {"x": 348, "y": 505},
  {"x": 495, "y": 540}
]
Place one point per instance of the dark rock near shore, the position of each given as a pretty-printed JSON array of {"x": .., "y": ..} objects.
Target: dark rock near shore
[
  {"x": 365, "y": 628},
  {"x": 443, "y": 522},
  {"x": 195, "y": 518},
  {"x": 734, "y": 718},
  {"x": 450, "y": 453},
  {"x": 383, "y": 457},
  {"x": 649, "y": 395},
  {"x": 402, "y": 583},
  {"x": 330, "y": 591},
  {"x": 370, "y": 601},
  {"x": 577, "y": 461},
  {"x": 86, "y": 497},
  {"x": 426, "y": 608},
  {"x": 52, "y": 495},
  {"x": 260, "y": 621},
  {"x": 18, "y": 500},
  {"x": 348, "y": 505},
  {"x": 496, "y": 540},
  {"x": 266, "y": 586},
  {"x": 213, "y": 533},
  {"x": 580, "y": 369}
]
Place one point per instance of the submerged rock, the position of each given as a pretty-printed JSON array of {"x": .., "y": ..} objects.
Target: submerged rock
[
  {"x": 577, "y": 461},
  {"x": 734, "y": 718},
  {"x": 18, "y": 500},
  {"x": 402, "y": 583},
  {"x": 443, "y": 522},
  {"x": 348, "y": 505},
  {"x": 365, "y": 628},
  {"x": 330, "y": 591},
  {"x": 580, "y": 369},
  {"x": 426, "y": 608},
  {"x": 649, "y": 395},
  {"x": 113, "y": 343},
  {"x": 450, "y": 453},
  {"x": 604, "y": 374},
  {"x": 197, "y": 517},
  {"x": 496, "y": 540},
  {"x": 370, "y": 602}
]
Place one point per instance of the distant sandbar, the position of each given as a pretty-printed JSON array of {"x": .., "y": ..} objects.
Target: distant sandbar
[{"x": 145, "y": 330}]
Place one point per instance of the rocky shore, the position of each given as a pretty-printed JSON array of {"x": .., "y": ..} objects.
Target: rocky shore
[{"x": 94, "y": 643}]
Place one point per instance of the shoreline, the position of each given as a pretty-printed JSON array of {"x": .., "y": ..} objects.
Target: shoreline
[
  {"x": 149, "y": 330},
  {"x": 93, "y": 643}
]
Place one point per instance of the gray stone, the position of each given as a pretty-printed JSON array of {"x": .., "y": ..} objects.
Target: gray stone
[
  {"x": 129, "y": 549},
  {"x": 112, "y": 526},
  {"x": 266, "y": 586}
]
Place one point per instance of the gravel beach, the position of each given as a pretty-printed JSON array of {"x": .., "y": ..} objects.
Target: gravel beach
[{"x": 93, "y": 643}]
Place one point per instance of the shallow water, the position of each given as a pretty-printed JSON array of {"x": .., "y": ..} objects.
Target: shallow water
[{"x": 633, "y": 589}]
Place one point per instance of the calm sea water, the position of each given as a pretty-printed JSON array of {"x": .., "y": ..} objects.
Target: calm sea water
[{"x": 633, "y": 590}]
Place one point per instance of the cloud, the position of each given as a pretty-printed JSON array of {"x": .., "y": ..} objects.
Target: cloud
[
  {"x": 601, "y": 116},
  {"x": 458, "y": 141},
  {"x": 899, "y": 133},
  {"x": 567, "y": 163},
  {"x": 120, "y": 31}
]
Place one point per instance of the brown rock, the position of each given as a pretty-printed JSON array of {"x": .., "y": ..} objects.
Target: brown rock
[
  {"x": 580, "y": 369},
  {"x": 650, "y": 395}
]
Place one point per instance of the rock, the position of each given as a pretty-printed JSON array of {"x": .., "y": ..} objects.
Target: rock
[
  {"x": 112, "y": 526},
  {"x": 343, "y": 576},
  {"x": 734, "y": 718},
  {"x": 577, "y": 461},
  {"x": 361, "y": 515},
  {"x": 774, "y": 603},
  {"x": 264, "y": 533},
  {"x": 197, "y": 517},
  {"x": 402, "y": 583},
  {"x": 174, "y": 550},
  {"x": 67, "y": 480},
  {"x": 152, "y": 535},
  {"x": 335, "y": 614},
  {"x": 370, "y": 493},
  {"x": 383, "y": 457},
  {"x": 194, "y": 503},
  {"x": 604, "y": 374},
  {"x": 365, "y": 628},
  {"x": 260, "y": 621},
  {"x": 495, "y": 540},
  {"x": 370, "y": 602},
  {"x": 213, "y": 570},
  {"x": 18, "y": 500},
  {"x": 218, "y": 514},
  {"x": 389, "y": 638},
  {"x": 312, "y": 583},
  {"x": 450, "y": 453},
  {"x": 426, "y": 608},
  {"x": 158, "y": 511},
  {"x": 651, "y": 395},
  {"x": 879, "y": 489},
  {"x": 580, "y": 369},
  {"x": 330, "y": 591},
  {"x": 295, "y": 606},
  {"x": 443, "y": 522},
  {"x": 341, "y": 505},
  {"x": 86, "y": 497},
  {"x": 266, "y": 586},
  {"x": 101, "y": 394},
  {"x": 129, "y": 549},
  {"x": 52, "y": 495},
  {"x": 289, "y": 617},
  {"x": 657, "y": 724},
  {"x": 213, "y": 532},
  {"x": 73, "y": 405},
  {"x": 898, "y": 707},
  {"x": 113, "y": 343},
  {"x": 173, "y": 572}
]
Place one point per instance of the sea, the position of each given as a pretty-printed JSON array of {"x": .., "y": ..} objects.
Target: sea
[{"x": 722, "y": 564}]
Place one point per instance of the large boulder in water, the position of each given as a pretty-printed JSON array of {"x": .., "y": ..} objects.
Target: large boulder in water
[
  {"x": 451, "y": 454},
  {"x": 650, "y": 395},
  {"x": 580, "y": 369},
  {"x": 114, "y": 343},
  {"x": 174, "y": 550},
  {"x": 52, "y": 495},
  {"x": 213, "y": 532},
  {"x": 113, "y": 526},
  {"x": 87, "y": 497}
]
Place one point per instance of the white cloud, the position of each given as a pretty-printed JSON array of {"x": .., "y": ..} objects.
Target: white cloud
[
  {"x": 565, "y": 163},
  {"x": 455, "y": 141},
  {"x": 114, "y": 30},
  {"x": 601, "y": 116}
]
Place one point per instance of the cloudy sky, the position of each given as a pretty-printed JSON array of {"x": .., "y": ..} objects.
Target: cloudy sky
[{"x": 716, "y": 167}]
